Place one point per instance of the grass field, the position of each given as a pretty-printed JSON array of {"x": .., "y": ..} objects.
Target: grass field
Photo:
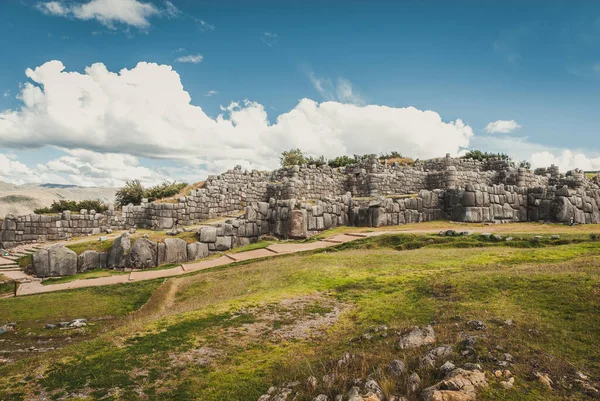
[{"x": 230, "y": 333}]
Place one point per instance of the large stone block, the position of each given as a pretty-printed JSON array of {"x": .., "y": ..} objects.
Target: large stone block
[
  {"x": 142, "y": 255},
  {"x": 62, "y": 261},
  {"x": 41, "y": 263},
  {"x": 223, "y": 243},
  {"x": 119, "y": 250},
  {"x": 208, "y": 234},
  {"x": 175, "y": 250},
  {"x": 298, "y": 224},
  {"x": 88, "y": 260},
  {"x": 197, "y": 250}
]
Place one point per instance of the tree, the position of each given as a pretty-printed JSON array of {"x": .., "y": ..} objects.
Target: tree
[
  {"x": 132, "y": 192},
  {"x": 292, "y": 157},
  {"x": 525, "y": 164}
]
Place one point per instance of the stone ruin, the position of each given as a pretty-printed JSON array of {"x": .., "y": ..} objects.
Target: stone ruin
[{"x": 299, "y": 201}]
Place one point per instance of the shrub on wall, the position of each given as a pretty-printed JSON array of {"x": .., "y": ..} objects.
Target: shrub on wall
[
  {"x": 73, "y": 206},
  {"x": 133, "y": 192},
  {"x": 481, "y": 156}
]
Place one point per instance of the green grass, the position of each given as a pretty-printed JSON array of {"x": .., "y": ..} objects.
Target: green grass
[
  {"x": 550, "y": 288},
  {"x": 7, "y": 285},
  {"x": 99, "y": 246}
]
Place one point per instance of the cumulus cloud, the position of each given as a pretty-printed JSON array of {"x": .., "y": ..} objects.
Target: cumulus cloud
[
  {"x": 566, "y": 160},
  {"x": 145, "y": 112},
  {"x": 109, "y": 12},
  {"x": 502, "y": 127},
  {"x": 190, "y": 58}
]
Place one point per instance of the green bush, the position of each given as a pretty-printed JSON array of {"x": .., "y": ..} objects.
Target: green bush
[
  {"x": 132, "y": 192},
  {"x": 292, "y": 157},
  {"x": 317, "y": 161},
  {"x": 73, "y": 206},
  {"x": 164, "y": 190},
  {"x": 525, "y": 164},
  {"x": 481, "y": 156}
]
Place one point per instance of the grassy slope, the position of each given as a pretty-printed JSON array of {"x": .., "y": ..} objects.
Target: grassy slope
[{"x": 551, "y": 293}]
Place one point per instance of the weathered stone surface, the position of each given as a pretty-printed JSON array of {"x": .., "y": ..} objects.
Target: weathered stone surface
[
  {"x": 459, "y": 385},
  {"x": 175, "y": 250},
  {"x": 223, "y": 243},
  {"x": 119, "y": 250},
  {"x": 298, "y": 225},
  {"x": 208, "y": 234},
  {"x": 417, "y": 337},
  {"x": 142, "y": 255},
  {"x": 56, "y": 260},
  {"x": 197, "y": 250},
  {"x": 88, "y": 260}
]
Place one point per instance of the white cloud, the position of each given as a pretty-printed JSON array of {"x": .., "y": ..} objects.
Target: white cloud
[
  {"x": 204, "y": 26},
  {"x": 107, "y": 12},
  {"x": 342, "y": 91},
  {"x": 190, "y": 58},
  {"x": 270, "y": 38},
  {"x": 145, "y": 112},
  {"x": 211, "y": 93},
  {"x": 181, "y": 49},
  {"x": 53, "y": 8},
  {"x": 566, "y": 160},
  {"x": 171, "y": 11},
  {"x": 6, "y": 93},
  {"x": 502, "y": 127}
]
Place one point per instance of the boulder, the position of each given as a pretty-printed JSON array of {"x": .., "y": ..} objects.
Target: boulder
[
  {"x": 88, "y": 260},
  {"x": 298, "y": 224},
  {"x": 142, "y": 255},
  {"x": 41, "y": 263},
  {"x": 417, "y": 337},
  {"x": 175, "y": 250},
  {"x": 119, "y": 250},
  {"x": 223, "y": 243},
  {"x": 208, "y": 234},
  {"x": 397, "y": 368},
  {"x": 458, "y": 385},
  {"x": 56, "y": 260},
  {"x": 197, "y": 250}
]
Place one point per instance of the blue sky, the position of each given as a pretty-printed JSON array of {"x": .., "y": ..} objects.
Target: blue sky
[{"x": 535, "y": 64}]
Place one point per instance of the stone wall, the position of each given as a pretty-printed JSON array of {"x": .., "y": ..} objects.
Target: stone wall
[
  {"x": 41, "y": 228},
  {"x": 234, "y": 190}
]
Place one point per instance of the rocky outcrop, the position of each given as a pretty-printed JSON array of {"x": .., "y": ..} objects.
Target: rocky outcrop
[
  {"x": 458, "y": 385},
  {"x": 88, "y": 260},
  {"x": 118, "y": 252},
  {"x": 142, "y": 255}
]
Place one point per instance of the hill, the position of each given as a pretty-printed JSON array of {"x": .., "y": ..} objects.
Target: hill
[{"x": 23, "y": 199}]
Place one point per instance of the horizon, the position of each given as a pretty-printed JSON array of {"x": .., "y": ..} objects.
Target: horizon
[{"x": 98, "y": 92}]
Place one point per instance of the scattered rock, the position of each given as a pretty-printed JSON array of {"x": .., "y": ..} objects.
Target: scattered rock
[
  {"x": 132, "y": 230},
  {"x": 544, "y": 379},
  {"x": 472, "y": 366},
  {"x": 50, "y": 326},
  {"x": 476, "y": 325},
  {"x": 508, "y": 384},
  {"x": 413, "y": 385},
  {"x": 321, "y": 397},
  {"x": 417, "y": 338},
  {"x": 458, "y": 385},
  {"x": 447, "y": 367},
  {"x": 77, "y": 323},
  {"x": 118, "y": 251},
  {"x": 312, "y": 383},
  {"x": 143, "y": 254},
  {"x": 432, "y": 356},
  {"x": 329, "y": 380},
  {"x": 397, "y": 368},
  {"x": 373, "y": 387}
]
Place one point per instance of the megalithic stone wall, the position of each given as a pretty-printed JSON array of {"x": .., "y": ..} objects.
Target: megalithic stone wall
[{"x": 471, "y": 190}]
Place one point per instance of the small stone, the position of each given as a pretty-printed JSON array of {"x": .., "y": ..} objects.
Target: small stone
[
  {"x": 472, "y": 366},
  {"x": 320, "y": 397},
  {"x": 397, "y": 368},
  {"x": 476, "y": 325},
  {"x": 544, "y": 379},
  {"x": 447, "y": 367},
  {"x": 414, "y": 383},
  {"x": 50, "y": 326},
  {"x": 311, "y": 383},
  {"x": 508, "y": 384}
]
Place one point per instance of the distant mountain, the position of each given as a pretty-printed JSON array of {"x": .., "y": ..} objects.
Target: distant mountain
[{"x": 23, "y": 199}]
